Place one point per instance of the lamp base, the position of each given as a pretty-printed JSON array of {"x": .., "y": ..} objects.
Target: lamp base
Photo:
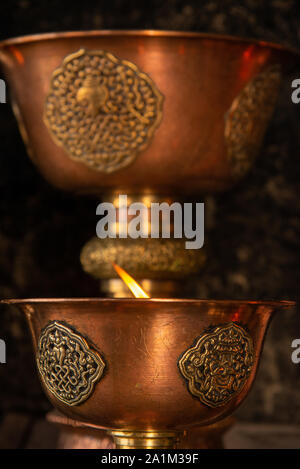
[
  {"x": 80, "y": 435},
  {"x": 147, "y": 439}
]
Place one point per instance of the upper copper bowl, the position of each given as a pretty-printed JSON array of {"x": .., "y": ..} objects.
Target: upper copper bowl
[{"x": 138, "y": 111}]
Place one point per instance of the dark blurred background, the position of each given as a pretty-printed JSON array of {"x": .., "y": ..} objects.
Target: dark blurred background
[{"x": 252, "y": 232}]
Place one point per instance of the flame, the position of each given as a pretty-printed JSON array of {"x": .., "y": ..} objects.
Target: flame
[{"x": 130, "y": 282}]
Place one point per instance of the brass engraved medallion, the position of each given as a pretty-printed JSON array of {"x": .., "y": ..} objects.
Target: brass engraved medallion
[
  {"x": 217, "y": 367},
  {"x": 247, "y": 119},
  {"x": 102, "y": 110},
  {"x": 151, "y": 258},
  {"x": 67, "y": 365}
]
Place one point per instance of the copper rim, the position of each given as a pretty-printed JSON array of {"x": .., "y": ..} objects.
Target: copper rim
[
  {"x": 144, "y": 32},
  {"x": 275, "y": 303}
]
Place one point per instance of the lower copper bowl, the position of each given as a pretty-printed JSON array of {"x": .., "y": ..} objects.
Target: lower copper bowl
[{"x": 139, "y": 364}]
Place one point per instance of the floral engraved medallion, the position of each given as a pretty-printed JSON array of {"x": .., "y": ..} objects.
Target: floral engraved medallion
[
  {"x": 247, "y": 119},
  {"x": 67, "y": 365},
  {"x": 102, "y": 110},
  {"x": 217, "y": 367}
]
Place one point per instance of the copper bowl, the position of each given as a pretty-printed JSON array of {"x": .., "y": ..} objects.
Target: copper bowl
[
  {"x": 143, "y": 111},
  {"x": 157, "y": 364}
]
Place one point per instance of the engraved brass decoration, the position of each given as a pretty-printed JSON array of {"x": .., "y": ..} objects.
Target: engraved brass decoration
[
  {"x": 67, "y": 365},
  {"x": 217, "y": 367},
  {"x": 247, "y": 120},
  {"x": 102, "y": 110},
  {"x": 143, "y": 258}
]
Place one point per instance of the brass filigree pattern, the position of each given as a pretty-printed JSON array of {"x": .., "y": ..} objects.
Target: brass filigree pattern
[
  {"x": 218, "y": 366},
  {"x": 67, "y": 365},
  {"x": 247, "y": 120},
  {"x": 102, "y": 110},
  {"x": 143, "y": 258}
]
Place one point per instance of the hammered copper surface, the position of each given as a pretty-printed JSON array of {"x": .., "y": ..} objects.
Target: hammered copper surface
[
  {"x": 141, "y": 341},
  {"x": 200, "y": 76}
]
